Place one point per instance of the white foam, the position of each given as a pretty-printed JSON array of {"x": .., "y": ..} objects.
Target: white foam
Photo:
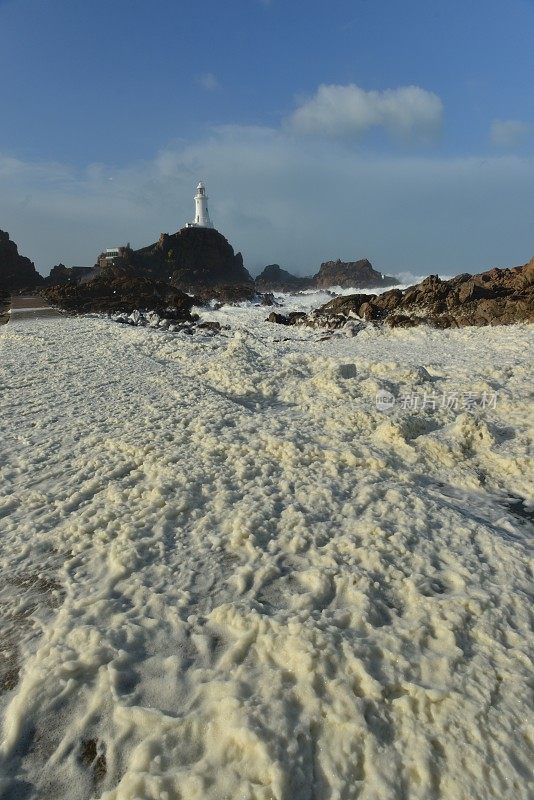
[{"x": 227, "y": 568}]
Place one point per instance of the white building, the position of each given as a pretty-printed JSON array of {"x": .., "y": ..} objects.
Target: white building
[
  {"x": 202, "y": 217},
  {"x": 107, "y": 258}
]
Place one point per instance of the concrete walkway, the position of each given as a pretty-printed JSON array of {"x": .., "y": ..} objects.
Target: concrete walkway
[{"x": 30, "y": 307}]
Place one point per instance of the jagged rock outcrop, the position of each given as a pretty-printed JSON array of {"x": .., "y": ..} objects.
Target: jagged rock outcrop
[
  {"x": 347, "y": 274},
  {"x": 16, "y": 272},
  {"x": 62, "y": 274},
  {"x": 275, "y": 279},
  {"x": 191, "y": 259},
  {"x": 495, "y": 297},
  {"x": 122, "y": 293}
]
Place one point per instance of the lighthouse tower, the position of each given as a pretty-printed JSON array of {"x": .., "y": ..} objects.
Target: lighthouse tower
[{"x": 202, "y": 217}]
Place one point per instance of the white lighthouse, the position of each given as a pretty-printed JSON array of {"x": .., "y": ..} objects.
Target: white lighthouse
[{"x": 202, "y": 217}]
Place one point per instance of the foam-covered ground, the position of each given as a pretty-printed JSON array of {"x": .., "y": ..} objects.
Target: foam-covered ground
[{"x": 227, "y": 575}]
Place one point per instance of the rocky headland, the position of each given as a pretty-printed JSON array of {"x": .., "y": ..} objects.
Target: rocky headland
[
  {"x": 192, "y": 259},
  {"x": 195, "y": 263}
]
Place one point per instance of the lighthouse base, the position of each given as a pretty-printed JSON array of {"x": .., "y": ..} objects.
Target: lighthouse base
[{"x": 198, "y": 225}]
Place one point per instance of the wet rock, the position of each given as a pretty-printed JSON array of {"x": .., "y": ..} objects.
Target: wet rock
[
  {"x": 369, "y": 311},
  {"x": 346, "y": 305},
  {"x": 293, "y": 318},
  {"x": 389, "y": 300},
  {"x": 123, "y": 294},
  {"x": 403, "y": 321},
  {"x": 494, "y": 297},
  {"x": 296, "y": 317},
  {"x": 209, "y": 325},
  {"x": 279, "y": 319},
  {"x": 471, "y": 290}
]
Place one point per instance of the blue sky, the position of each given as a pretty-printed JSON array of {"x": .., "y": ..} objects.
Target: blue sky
[{"x": 400, "y": 131}]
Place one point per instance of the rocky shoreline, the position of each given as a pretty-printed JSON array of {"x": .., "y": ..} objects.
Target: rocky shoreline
[
  {"x": 124, "y": 295},
  {"x": 198, "y": 267},
  {"x": 495, "y": 297}
]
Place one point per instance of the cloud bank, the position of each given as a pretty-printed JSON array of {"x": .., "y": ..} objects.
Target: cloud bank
[
  {"x": 281, "y": 198},
  {"x": 508, "y": 133},
  {"x": 408, "y": 112}
]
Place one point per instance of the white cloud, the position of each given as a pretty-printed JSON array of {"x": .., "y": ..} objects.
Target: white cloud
[
  {"x": 208, "y": 81},
  {"x": 508, "y": 133},
  {"x": 279, "y": 198},
  {"x": 346, "y": 111}
]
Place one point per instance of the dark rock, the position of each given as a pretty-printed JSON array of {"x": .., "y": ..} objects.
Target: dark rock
[
  {"x": 191, "y": 259},
  {"x": 279, "y": 319},
  {"x": 296, "y": 317},
  {"x": 293, "y": 318},
  {"x": 228, "y": 293},
  {"x": 442, "y": 321},
  {"x": 430, "y": 284},
  {"x": 411, "y": 296},
  {"x": 274, "y": 278},
  {"x": 345, "y": 305},
  {"x": 402, "y": 321},
  {"x": 357, "y": 274},
  {"x": 331, "y": 273},
  {"x": 369, "y": 311},
  {"x": 459, "y": 279},
  {"x": 471, "y": 290},
  {"x": 62, "y": 274},
  {"x": 109, "y": 294},
  {"x": 183, "y": 303},
  {"x": 495, "y": 297},
  {"x": 17, "y": 272},
  {"x": 210, "y": 325},
  {"x": 389, "y": 300}
]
